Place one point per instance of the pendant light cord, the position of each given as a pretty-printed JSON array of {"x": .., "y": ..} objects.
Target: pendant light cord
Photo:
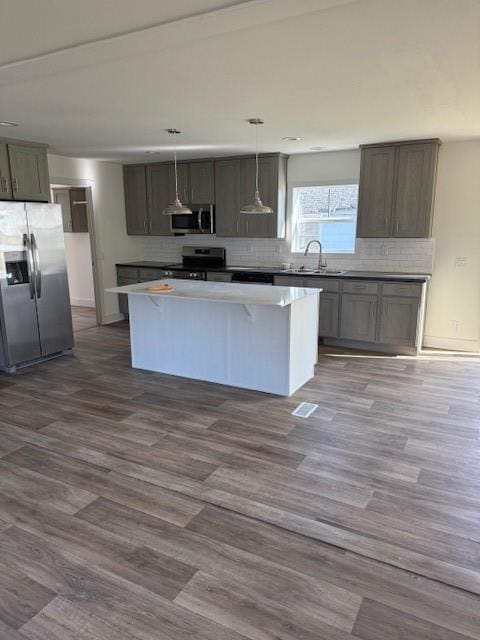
[
  {"x": 256, "y": 158},
  {"x": 175, "y": 160}
]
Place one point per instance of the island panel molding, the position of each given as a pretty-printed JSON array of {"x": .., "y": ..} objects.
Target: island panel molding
[{"x": 241, "y": 335}]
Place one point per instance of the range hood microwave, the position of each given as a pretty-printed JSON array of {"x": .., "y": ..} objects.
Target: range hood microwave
[{"x": 201, "y": 220}]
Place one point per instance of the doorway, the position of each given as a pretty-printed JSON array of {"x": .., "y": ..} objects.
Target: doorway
[{"x": 77, "y": 214}]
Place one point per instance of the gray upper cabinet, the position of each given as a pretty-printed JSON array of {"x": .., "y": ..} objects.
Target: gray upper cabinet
[
  {"x": 201, "y": 179},
  {"x": 416, "y": 172},
  {"x": 135, "y": 185},
  {"x": 29, "y": 173},
  {"x": 235, "y": 187},
  {"x": 399, "y": 318},
  {"x": 227, "y": 198},
  {"x": 396, "y": 194},
  {"x": 62, "y": 197},
  {"x": 160, "y": 191},
  {"x": 260, "y": 226},
  {"x": 79, "y": 210},
  {"x": 74, "y": 209},
  {"x": 5, "y": 182},
  {"x": 375, "y": 198}
]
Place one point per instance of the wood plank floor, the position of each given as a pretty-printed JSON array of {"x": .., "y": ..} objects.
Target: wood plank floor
[
  {"x": 83, "y": 318},
  {"x": 140, "y": 506}
]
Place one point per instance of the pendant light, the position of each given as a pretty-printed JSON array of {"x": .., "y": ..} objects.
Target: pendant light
[
  {"x": 176, "y": 208},
  {"x": 257, "y": 206}
]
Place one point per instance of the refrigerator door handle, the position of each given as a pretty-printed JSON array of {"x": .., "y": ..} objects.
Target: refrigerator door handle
[
  {"x": 36, "y": 262},
  {"x": 30, "y": 267}
]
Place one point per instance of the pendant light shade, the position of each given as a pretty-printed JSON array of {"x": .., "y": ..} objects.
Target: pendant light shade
[
  {"x": 176, "y": 208},
  {"x": 256, "y": 207}
]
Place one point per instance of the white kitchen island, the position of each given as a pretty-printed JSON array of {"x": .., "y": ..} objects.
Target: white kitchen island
[{"x": 244, "y": 335}]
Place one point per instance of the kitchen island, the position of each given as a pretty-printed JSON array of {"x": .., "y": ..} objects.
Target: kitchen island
[{"x": 250, "y": 336}]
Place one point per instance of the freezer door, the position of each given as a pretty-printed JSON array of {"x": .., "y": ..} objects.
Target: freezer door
[
  {"x": 18, "y": 317},
  {"x": 51, "y": 284}
]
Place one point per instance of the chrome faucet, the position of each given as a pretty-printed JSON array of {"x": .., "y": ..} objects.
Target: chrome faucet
[{"x": 322, "y": 263}]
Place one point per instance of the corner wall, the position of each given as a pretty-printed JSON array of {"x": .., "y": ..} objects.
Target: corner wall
[
  {"x": 111, "y": 239},
  {"x": 453, "y": 301}
]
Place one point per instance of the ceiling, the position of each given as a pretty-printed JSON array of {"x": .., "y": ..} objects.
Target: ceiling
[{"x": 105, "y": 78}]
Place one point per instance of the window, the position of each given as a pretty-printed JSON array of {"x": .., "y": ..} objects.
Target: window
[{"x": 327, "y": 213}]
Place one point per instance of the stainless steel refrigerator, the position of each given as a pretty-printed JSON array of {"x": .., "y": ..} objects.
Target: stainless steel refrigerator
[{"x": 35, "y": 314}]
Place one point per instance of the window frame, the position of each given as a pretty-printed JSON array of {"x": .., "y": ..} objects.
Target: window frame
[{"x": 290, "y": 217}]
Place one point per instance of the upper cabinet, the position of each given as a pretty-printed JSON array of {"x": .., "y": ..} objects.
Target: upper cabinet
[
  {"x": 228, "y": 183},
  {"x": 397, "y": 184},
  {"x": 135, "y": 186},
  {"x": 235, "y": 187},
  {"x": 375, "y": 198},
  {"x": 74, "y": 209},
  {"x": 228, "y": 194},
  {"x": 24, "y": 172},
  {"x": 416, "y": 173},
  {"x": 5, "y": 180},
  {"x": 160, "y": 192},
  {"x": 201, "y": 182}
]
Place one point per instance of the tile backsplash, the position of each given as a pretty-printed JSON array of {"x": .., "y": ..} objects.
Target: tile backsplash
[{"x": 382, "y": 254}]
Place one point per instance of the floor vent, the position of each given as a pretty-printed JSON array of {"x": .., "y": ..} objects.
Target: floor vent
[{"x": 305, "y": 409}]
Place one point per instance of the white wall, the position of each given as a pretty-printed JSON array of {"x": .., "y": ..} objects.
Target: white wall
[
  {"x": 112, "y": 242},
  {"x": 79, "y": 267},
  {"x": 453, "y": 303}
]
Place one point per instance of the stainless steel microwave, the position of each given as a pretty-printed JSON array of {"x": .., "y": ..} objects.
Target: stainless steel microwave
[{"x": 201, "y": 220}]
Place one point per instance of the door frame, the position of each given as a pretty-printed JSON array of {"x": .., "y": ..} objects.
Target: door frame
[{"x": 88, "y": 186}]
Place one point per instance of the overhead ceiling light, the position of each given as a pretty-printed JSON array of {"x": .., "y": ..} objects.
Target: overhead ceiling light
[
  {"x": 176, "y": 208},
  {"x": 257, "y": 206},
  {"x": 5, "y": 123},
  {"x": 152, "y": 153},
  {"x": 291, "y": 138},
  {"x": 317, "y": 148}
]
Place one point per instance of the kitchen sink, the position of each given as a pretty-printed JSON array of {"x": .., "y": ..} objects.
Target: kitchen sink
[{"x": 314, "y": 272}]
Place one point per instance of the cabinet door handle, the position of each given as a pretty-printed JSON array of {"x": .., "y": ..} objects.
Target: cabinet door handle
[
  {"x": 398, "y": 227},
  {"x": 15, "y": 184}
]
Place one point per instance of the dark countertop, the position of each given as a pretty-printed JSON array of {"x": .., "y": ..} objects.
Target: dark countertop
[{"x": 359, "y": 275}]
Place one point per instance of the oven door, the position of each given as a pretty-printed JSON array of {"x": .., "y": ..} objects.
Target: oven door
[{"x": 201, "y": 220}]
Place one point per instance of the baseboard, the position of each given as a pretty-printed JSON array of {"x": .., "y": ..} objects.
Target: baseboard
[
  {"x": 451, "y": 344},
  {"x": 82, "y": 302},
  {"x": 113, "y": 317}
]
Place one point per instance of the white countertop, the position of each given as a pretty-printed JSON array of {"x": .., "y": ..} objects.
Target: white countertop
[{"x": 221, "y": 292}]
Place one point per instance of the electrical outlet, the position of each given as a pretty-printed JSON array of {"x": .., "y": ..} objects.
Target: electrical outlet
[
  {"x": 384, "y": 250},
  {"x": 461, "y": 262},
  {"x": 455, "y": 324}
]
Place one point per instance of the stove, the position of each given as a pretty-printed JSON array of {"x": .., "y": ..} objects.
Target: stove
[{"x": 195, "y": 263}]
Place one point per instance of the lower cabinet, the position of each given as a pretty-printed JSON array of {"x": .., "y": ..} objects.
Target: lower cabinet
[
  {"x": 123, "y": 298},
  {"x": 370, "y": 314},
  {"x": 328, "y": 322},
  {"x": 358, "y": 317},
  {"x": 399, "y": 320}
]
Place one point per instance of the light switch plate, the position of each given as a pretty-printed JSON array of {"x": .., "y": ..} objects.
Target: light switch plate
[{"x": 460, "y": 262}]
